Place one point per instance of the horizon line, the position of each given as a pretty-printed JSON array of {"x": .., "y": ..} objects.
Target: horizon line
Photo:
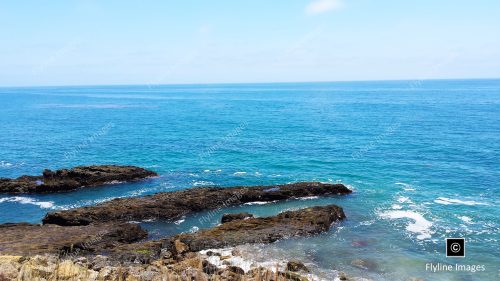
[{"x": 245, "y": 83}]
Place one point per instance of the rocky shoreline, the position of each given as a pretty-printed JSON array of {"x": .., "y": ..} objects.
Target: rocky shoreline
[
  {"x": 71, "y": 179},
  {"x": 100, "y": 243},
  {"x": 108, "y": 251}
]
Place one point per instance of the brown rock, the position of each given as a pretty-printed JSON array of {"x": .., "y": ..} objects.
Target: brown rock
[
  {"x": 295, "y": 265},
  {"x": 174, "y": 205},
  {"x": 304, "y": 222},
  {"x": 179, "y": 247},
  {"x": 71, "y": 179},
  {"x": 233, "y": 217},
  {"x": 30, "y": 239}
]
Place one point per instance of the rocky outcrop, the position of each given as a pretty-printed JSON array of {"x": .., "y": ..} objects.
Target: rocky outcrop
[
  {"x": 31, "y": 239},
  {"x": 302, "y": 222},
  {"x": 233, "y": 217},
  {"x": 76, "y": 252},
  {"x": 193, "y": 267},
  {"x": 174, "y": 205},
  {"x": 71, "y": 179},
  {"x": 295, "y": 265}
]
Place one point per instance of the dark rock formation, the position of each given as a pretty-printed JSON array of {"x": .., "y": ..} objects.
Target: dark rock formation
[
  {"x": 295, "y": 266},
  {"x": 303, "y": 222},
  {"x": 31, "y": 239},
  {"x": 233, "y": 217},
  {"x": 70, "y": 179},
  {"x": 174, "y": 205}
]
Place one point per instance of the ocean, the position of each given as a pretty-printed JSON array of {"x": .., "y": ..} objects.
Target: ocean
[{"x": 423, "y": 159}]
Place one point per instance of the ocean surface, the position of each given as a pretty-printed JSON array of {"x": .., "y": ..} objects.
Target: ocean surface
[{"x": 423, "y": 159}]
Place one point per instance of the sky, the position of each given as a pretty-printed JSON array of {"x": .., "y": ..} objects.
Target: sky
[{"x": 192, "y": 41}]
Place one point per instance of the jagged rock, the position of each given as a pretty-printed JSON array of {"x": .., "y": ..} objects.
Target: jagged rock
[
  {"x": 174, "y": 205},
  {"x": 236, "y": 269},
  {"x": 50, "y": 267},
  {"x": 295, "y": 266},
  {"x": 31, "y": 239},
  {"x": 238, "y": 216},
  {"x": 9, "y": 267},
  {"x": 179, "y": 247},
  {"x": 71, "y": 179},
  {"x": 304, "y": 222}
]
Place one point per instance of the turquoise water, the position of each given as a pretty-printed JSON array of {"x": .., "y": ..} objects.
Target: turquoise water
[{"x": 422, "y": 157}]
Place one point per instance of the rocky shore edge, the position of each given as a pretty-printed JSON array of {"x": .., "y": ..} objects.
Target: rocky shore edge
[
  {"x": 100, "y": 243},
  {"x": 116, "y": 252},
  {"x": 74, "y": 178}
]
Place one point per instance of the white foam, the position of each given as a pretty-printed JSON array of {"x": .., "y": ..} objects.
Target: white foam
[
  {"x": 406, "y": 186},
  {"x": 420, "y": 224},
  {"x": 309, "y": 197},
  {"x": 177, "y": 222},
  {"x": 259, "y": 202},
  {"x": 239, "y": 173},
  {"x": 465, "y": 219},
  {"x": 5, "y": 164},
  {"x": 28, "y": 200},
  {"x": 404, "y": 199},
  {"x": 397, "y": 207},
  {"x": 203, "y": 183},
  {"x": 448, "y": 201},
  {"x": 206, "y": 171},
  {"x": 115, "y": 182}
]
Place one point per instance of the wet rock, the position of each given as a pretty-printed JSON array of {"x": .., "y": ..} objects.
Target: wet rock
[
  {"x": 208, "y": 267},
  {"x": 236, "y": 269},
  {"x": 210, "y": 253},
  {"x": 359, "y": 243},
  {"x": 304, "y": 222},
  {"x": 292, "y": 276},
  {"x": 71, "y": 179},
  {"x": 24, "y": 238},
  {"x": 235, "y": 253},
  {"x": 233, "y": 217},
  {"x": 174, "y": 205},
  {"x": 295, "y": 266}
]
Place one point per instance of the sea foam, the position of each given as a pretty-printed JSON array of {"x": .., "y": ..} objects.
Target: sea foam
[
  {"x": 28, "y": 200},
  {"x": 419, "y": 225},
  {"x": 448, "y": 201}
]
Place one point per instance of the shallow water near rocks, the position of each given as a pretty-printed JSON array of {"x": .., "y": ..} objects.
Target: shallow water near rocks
[{"x": 422, "y": 160}]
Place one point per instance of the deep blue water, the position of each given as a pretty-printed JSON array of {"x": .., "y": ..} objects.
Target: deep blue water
[{"x": 422, "y": 156}]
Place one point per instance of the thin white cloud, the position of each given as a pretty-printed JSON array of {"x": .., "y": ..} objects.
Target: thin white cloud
[{"x": 321, "y": 6}]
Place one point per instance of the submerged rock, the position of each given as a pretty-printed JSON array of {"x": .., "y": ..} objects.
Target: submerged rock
[
  {"x": 31, "y": 239},
  {"x": 174, "y": 205},
  {"x": 364, "y": 264},
  {"x": 233, "y": 217},
  {"x": 304, "y": 222},
  {"x": 71, "y": 179}
]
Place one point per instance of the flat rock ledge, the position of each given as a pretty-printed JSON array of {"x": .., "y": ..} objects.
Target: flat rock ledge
[
  {"x": 33, "y": 239},
  {"x": 71, "y": 179},
  {"x": 174, "y": 205}
]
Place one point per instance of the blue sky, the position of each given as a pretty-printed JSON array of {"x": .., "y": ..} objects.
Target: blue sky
[{"x": 190, "y": 41}]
